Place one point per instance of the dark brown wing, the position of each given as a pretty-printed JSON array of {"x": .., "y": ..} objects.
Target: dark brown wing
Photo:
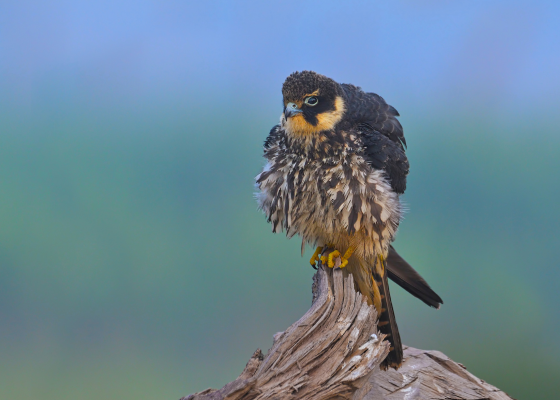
[
  {"x": 371, "y": 110},
  {"x": 384, "y": 154},
  {"x": 381, "y": 134},
  {"x": 400, "y": 272}
]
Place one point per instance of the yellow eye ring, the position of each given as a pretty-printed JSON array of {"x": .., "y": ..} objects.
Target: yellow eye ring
[{"x": 311, "y": 101}]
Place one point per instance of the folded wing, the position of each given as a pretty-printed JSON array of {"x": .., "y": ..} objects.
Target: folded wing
[{"x": 401, "y": 272}]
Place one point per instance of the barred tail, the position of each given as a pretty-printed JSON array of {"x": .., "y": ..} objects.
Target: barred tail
[{"x": 387, "y": 323}]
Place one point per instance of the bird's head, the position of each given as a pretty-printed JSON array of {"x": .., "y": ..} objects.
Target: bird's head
[{"x": 312, "y": 103}]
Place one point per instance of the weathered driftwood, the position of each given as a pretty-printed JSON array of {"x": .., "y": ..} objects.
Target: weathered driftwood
[
  {"x": 429, "y": 375},
  {"x": 334, "y": 352}
]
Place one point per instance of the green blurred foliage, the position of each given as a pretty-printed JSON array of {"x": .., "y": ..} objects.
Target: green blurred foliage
[{"x": 135, "y": 264}]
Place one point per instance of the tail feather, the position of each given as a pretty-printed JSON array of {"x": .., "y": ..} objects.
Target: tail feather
[
  {"x": 406, "y": 277},
  {"x": 387, "y": 323}
]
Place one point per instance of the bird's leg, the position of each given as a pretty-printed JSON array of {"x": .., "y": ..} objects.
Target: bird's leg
[
  {"x": 343, "y": 258},
  {"x": 315, "y": 256},
  {"x": 324, "y": 259}
]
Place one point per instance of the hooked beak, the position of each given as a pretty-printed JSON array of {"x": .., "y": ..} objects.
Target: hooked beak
[{"x": 291, "y": 110}]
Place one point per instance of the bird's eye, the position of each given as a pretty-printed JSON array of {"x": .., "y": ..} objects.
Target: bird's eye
[{"x": 311, "y": 101}]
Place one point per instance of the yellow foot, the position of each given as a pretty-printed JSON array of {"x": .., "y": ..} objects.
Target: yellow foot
[
  {"x": 315, "y": 256},
  {"x": 343, "y": 258}
]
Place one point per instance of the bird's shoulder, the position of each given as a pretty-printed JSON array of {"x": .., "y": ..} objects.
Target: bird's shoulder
[
  {"x": 275, "y": 135},
  {"x": 382, "y": 153},
  {"x": 370, "y": 111}
]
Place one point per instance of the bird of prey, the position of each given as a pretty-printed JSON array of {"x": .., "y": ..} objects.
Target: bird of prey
[{"x": 336, "y": 166}]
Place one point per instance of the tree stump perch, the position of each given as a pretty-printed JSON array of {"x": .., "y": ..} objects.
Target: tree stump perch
[{"x": 333, "y": 352}]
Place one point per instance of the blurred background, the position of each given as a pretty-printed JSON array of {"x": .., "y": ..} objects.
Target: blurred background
[{"x": 133, "y": 260}]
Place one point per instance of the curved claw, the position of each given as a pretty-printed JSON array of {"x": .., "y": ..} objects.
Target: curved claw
[{"x": 315, "y": 256}]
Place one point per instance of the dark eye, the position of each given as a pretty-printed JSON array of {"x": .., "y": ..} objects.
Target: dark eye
[{"x": 311, "y": 101}]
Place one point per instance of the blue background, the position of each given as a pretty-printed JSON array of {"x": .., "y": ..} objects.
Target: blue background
[{"x": 133, "y": 260}]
